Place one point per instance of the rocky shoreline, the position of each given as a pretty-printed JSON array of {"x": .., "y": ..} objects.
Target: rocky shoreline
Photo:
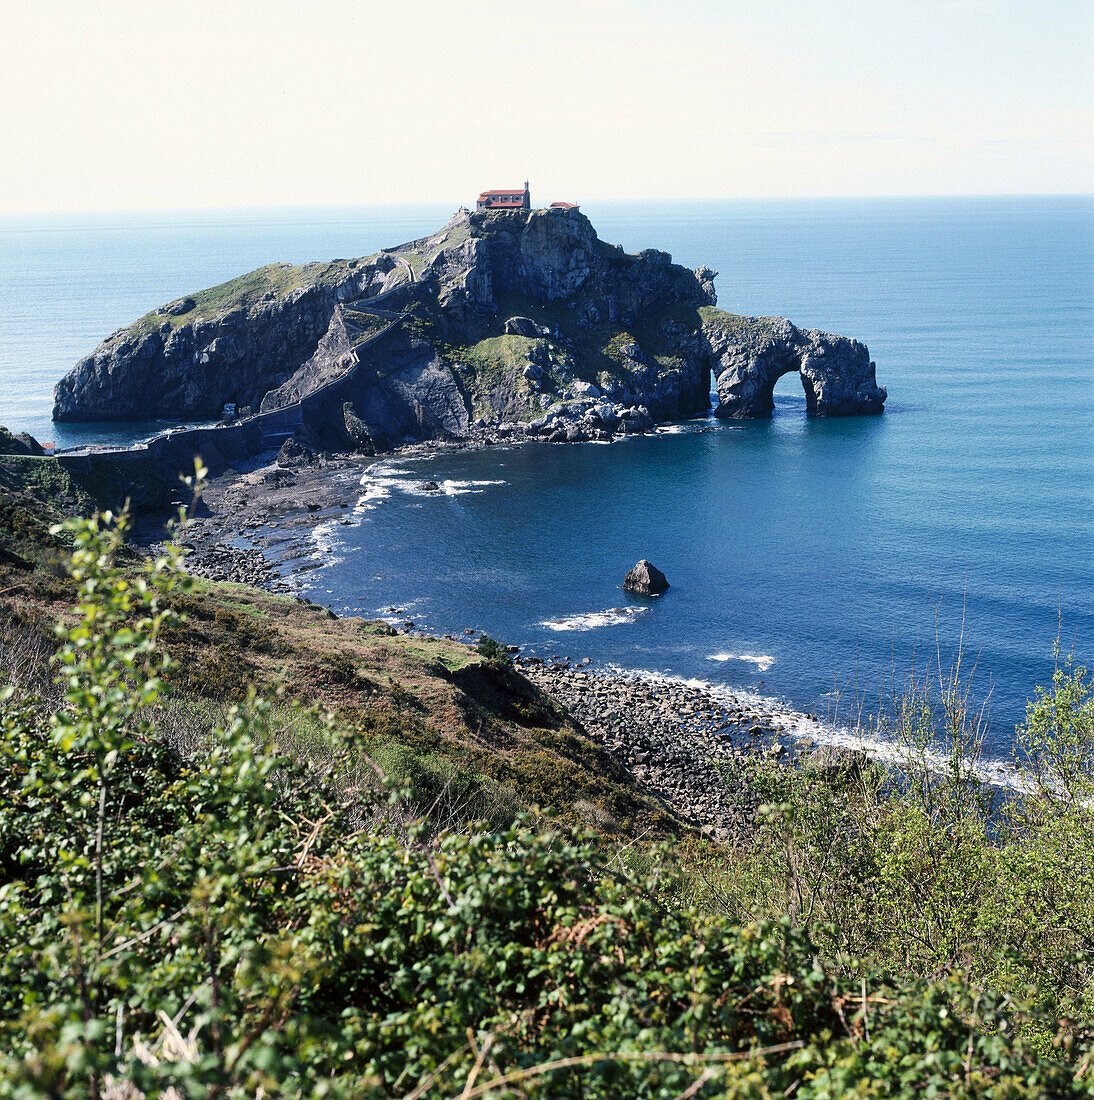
[
  {"x": 276, "y": 502},
  {"x": 253, "y": 520},
  {"x": 686, "y": 745}
]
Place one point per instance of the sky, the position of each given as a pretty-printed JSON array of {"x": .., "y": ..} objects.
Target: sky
[{"x": 236, "y": 103}]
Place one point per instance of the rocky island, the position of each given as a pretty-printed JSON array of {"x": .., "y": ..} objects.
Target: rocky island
[{"x": 504, "y": 323}]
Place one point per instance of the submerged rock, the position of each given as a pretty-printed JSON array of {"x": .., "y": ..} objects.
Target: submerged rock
[{"x": 646, "y": 579}]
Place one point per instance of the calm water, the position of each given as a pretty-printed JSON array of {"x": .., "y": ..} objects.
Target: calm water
[{"x": 806, "y": 557}]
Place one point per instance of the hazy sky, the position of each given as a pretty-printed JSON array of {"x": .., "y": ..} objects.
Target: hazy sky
[{"x": 187, "y": 103}]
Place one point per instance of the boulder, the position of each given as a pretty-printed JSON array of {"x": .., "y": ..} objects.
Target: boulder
[
  {"x": 585, "y": 389},
  {"x": 638, "y": 419},
  {"x": 522, "y": 326},
  {"x": 294, "y": 453},
  {"x": 837, "y": 765},
  {"x": 645, "y": 579},
  {"x": 22, "y": 443}
]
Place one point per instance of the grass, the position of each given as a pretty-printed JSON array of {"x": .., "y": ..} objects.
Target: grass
[
  {"x": 243, "y": 292},
  {"x": 448, "y": 708},
  {"x": 740, "y": 327},
  {"x": 493, "y": 374},
  {"x": 421, "y": 253}
]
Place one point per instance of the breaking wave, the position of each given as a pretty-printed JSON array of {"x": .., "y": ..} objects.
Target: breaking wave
[
  {"x": 613, "y": 616},
  {"x": 793, "y": 725},
  {"x": 379, "y": 482},
  {"x": 762, "y": 661}
]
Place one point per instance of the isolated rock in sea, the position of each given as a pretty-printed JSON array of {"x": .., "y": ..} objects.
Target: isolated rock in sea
[{"x": 646, "y": 579}]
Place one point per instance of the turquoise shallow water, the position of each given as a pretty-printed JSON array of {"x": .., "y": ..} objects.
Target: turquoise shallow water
[{"x": 807, "y": 558}]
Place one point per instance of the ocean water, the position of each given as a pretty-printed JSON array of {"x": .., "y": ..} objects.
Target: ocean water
[{"x": 810, "y": 561}]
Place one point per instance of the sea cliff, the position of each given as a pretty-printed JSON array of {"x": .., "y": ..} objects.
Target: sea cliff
[{"x": 509, "y": 323}]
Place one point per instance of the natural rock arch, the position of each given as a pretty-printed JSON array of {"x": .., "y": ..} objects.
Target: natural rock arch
[{"x": 748, "y": 355}]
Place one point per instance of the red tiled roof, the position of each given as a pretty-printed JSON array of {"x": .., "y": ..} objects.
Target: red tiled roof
[
  {"x": 564, "y": 205},
  {"x": 503, "y": 191}
]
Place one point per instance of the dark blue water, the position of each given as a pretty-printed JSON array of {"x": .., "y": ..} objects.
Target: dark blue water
[{"x": 806, "y": 557}]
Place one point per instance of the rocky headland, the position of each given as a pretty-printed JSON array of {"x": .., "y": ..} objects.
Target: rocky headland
[{"x": 502, "y": 325}]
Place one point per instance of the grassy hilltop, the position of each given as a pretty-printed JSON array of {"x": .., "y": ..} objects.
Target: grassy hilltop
[{"x": 355, "y": 888}]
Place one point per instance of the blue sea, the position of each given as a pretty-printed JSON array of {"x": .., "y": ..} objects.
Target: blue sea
[{"x": 809, "y": 561}]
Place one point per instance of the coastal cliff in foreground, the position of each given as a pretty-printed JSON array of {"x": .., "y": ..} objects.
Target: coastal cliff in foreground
[{"x": 514, "y": 322}]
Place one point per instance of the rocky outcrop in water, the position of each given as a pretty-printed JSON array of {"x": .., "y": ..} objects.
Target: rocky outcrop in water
[
  {"x": 749, "y": 355},
  {"x": 503, "y": 324},
  {"x": 646, "y": 579}
]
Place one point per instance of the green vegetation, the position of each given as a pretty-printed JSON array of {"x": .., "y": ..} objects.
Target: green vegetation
[
  {"x": 363, "y": 326},
  {"x": 420, "y": 254},
  {"x": 273, "y": 281},
  {"x": 740, "y": 327},
  {"x": 924, "y": 871},
  {"x": 492, "y": 374},
  {"x": 32, "y": 493},
  {"x": 362, "y": 899}
]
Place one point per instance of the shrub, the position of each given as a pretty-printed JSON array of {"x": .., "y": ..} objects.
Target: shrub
[{"x": 493, "y": 651}]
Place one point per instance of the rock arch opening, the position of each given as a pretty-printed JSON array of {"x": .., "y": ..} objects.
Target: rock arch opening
[{"x": 792, "y": 390}]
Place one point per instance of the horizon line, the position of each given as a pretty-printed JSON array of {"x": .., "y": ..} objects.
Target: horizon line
[{"x": 418, "y": 204}]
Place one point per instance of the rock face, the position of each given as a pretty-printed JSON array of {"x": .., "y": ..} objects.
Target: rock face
[
  {"x": 646, "y": 579},
  {"x": 502, "y": 324},
  {"x": 235, "y": 343},
  {"x": 21, "y": 443},
  {"x": 293, "y": 454}
]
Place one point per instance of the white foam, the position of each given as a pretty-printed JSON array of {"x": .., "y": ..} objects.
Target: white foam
[
  {"x": 613, "y": 616},
  {"x": 381, "y": 480},
  {"x": 453, "y": 488},
  {"x": 762, "y": 661},
  {"x": 376, "y": 491},
  {"x": 795, "y": 725}
]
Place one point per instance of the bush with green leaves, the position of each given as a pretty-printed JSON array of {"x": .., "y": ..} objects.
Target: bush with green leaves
[
  {"x": 223, "y": 920},
  {"x": 493, "y": 650},
  {"x": 919, "y": 868}
]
